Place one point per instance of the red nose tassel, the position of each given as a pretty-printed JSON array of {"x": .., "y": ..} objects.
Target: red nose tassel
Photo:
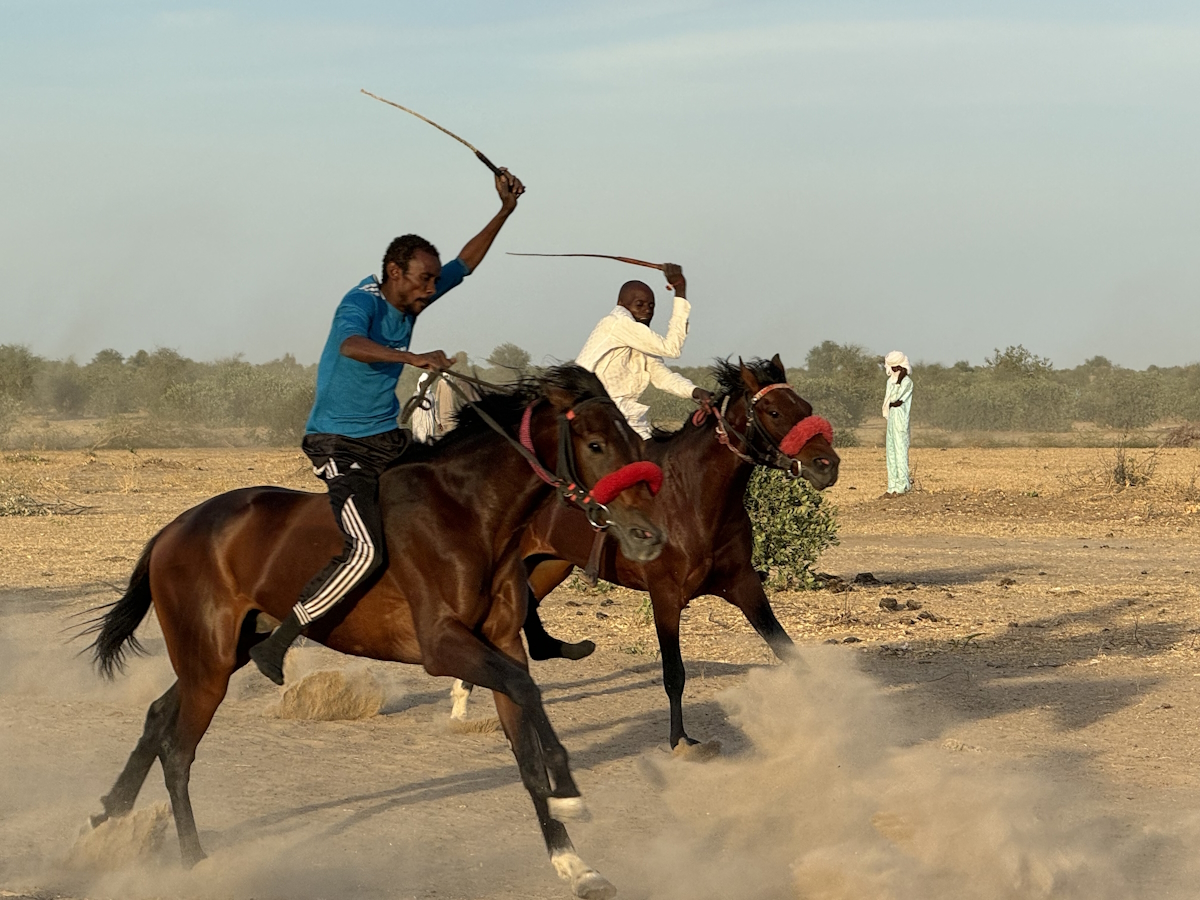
[
  {"x": 608, "y": 487},
  {"x": 803, "y": 432}
]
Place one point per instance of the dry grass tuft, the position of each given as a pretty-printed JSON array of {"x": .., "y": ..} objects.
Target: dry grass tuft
[
  {"x": 489, "y": 725},
  {"x": 120, "y": 842},
  {"x": 332, "y": 695}
]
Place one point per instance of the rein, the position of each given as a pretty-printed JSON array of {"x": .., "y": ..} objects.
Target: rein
[
  {"x": 778, "y": 454},
  {"x": 566, "y": 481}
]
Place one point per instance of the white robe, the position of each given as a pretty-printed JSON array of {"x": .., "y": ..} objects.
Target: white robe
[{"x": 627, "y": 356}]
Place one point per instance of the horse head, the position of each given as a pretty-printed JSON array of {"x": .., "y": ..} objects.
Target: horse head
[
  {"x": 604, "y": 461},
  {"x": 781, "y": 430}
]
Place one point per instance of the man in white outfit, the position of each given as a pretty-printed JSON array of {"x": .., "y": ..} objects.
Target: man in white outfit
[{"x": 627, "y": 355}]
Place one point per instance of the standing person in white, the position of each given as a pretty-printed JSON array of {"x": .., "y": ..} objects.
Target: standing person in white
[
  {"x": 628, "y": 356},
  {"x": 897, "y": 403}
]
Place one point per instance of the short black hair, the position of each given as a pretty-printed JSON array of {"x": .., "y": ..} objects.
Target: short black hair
[{"x": 400, "y": 251}]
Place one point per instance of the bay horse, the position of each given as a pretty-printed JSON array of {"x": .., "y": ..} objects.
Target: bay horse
[
  {"x": 451, "y": 597},
  {"x": 759, "y": 420}
]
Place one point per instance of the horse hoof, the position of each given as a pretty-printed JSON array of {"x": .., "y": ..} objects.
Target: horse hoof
[
  {"x": 568, "y": 809},
  {"x": 579, "y": 650},
  {"x": 95, "y": 821},
  {"x": 695, "y": 751},
  {"x": 585, "y": 881},
  {"x": 593, "y": 886},
  {"x": 192, "y": 857}
]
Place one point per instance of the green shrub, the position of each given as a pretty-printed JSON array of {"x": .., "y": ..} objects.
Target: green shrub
[{"x": 793, "y": 525}]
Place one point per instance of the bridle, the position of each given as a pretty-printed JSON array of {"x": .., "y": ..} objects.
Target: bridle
[
  {"x": 773, "y": 455},
  {"x": 565, "y": 479}
]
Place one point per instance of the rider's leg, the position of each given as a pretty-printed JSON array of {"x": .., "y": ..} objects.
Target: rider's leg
[{"x": 351, "y": 470}]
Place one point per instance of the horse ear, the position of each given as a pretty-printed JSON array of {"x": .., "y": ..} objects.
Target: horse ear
[
  {"x": 560, "y": 399},
  {"x": 778, "y": 363},
  {"x": 748, "y": 378}
]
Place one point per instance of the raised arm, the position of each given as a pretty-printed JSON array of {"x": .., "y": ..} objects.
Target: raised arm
[
  {"x": 509, "y": 187},
  {"x": 641, "y": 337}
]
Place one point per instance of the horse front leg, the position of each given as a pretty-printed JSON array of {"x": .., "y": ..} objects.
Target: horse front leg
[
  {"x": 458, "y": 651},
  {"x": 666, "y": 623},
  {"x": 585, "y": 881},
  {"x": 541, "y": 757},
  {"x": 544, "y": 578},
  {"x": 745, "y": 591}
]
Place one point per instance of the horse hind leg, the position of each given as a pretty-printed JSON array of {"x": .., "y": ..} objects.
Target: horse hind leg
[
  {"x": 177, "y": 751},
  {"x": 175, "y": 723},
  {"x": 159, "y": 718}
]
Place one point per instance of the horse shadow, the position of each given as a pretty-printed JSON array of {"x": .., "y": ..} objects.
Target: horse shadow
[
  {"x": 592, "y": 744},
  {"x": 989, "y": 677}
]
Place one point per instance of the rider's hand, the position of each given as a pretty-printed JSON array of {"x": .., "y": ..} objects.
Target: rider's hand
[
  {"x": 675, "y": 279},
  {"x": 435, "y": 360},
  {"x": 705, "y": 399},
  {"x": 509, "y": 187}
]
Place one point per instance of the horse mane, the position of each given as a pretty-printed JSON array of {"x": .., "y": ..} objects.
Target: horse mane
[
  {"x": 506, "y": 404},
  {"x": 728, "y": 376}
]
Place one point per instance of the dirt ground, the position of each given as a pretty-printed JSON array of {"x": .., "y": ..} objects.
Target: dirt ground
[{"x": 1027, "y": 712}]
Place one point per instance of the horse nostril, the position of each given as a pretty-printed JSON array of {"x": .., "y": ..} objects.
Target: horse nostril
[{"x": 823, "y": 462}]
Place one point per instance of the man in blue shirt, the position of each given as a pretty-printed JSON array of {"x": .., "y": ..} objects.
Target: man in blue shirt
[{"x": 351, "y": 434}]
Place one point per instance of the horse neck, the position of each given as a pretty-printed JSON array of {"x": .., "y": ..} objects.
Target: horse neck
[
  {"x": 480, "y": 464},
  {"x": 712, "y": 469}
]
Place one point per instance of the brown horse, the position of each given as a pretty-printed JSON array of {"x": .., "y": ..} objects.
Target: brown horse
[
  {"x": 451, "y": 598},
  {"x": 707, "y": 465}
]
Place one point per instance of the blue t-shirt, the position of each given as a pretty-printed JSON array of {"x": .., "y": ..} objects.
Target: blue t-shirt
[{"x": 357, "y": 399}]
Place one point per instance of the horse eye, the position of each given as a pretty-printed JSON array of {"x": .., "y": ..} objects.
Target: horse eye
[
  {"x": 595, "y": 447},
  {"x": 774, "y": 414}
]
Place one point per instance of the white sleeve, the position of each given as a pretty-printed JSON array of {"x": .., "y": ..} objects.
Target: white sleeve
[
  {"x": 628, "y": 333},
  {"x": 663, "y": 378}
]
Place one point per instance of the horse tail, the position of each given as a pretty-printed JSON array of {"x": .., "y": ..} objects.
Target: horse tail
[{"x": 115, "y": 629}]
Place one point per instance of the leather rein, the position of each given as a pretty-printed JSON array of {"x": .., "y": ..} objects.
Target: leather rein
[{"x": 565, "y": 480}]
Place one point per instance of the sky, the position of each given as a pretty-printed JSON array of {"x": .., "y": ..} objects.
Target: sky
[{"x": 943, "y": 178}]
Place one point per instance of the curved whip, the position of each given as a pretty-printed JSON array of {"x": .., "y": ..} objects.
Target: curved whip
[
  {"x": 625, "y": 259},
  {"x": 412, "y": 112}
]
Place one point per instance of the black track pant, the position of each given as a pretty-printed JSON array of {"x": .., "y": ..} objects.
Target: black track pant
[{"x": 350, "y": 467}]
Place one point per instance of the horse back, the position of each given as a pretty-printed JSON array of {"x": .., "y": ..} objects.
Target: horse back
[{"x": 252, "y": 547}]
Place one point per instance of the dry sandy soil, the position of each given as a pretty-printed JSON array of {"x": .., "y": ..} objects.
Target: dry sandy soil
[{"x": 1025, "y": 725}]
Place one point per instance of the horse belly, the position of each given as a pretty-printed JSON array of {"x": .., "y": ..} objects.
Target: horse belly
[{"x": 379, "y": 625}]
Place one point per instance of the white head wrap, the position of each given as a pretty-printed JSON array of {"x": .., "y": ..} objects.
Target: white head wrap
[{"x": 896, "y": 358}]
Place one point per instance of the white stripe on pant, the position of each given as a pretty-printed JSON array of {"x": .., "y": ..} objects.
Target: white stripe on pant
[{"x": 343, "y": 581}]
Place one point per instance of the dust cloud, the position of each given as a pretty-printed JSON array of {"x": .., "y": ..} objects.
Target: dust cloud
[
  {"x": 839, "y": 800},
  {"x": 64, "y": 734},
  {"x": 828, "y": 793}
]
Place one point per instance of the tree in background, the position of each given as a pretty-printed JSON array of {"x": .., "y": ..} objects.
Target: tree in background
[
  {"x": 1014, "y": 390},
  {"x": 1017, "y": 362},
  {"x": 509, "y": 356},
  {"x": 18, "y": 368},
  {"x": 842, "y": 382}
]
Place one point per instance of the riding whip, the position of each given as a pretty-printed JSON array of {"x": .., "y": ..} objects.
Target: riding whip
[
  {"x": 625, "y": 259},
  {"x": 479, "y": 153}
]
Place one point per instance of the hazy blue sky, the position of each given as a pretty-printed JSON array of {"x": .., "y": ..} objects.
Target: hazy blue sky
[{"x": 939, "y": 177}]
